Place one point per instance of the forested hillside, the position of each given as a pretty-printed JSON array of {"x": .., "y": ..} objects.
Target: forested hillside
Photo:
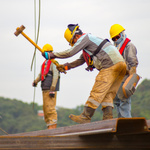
[
  {"x": 141, "y": 100},
  {"x": 17, "y": 117}
]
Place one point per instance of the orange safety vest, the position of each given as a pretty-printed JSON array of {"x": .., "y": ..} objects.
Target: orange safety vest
[
  {"x": 45, "y": 69},
  {"x": 124, "y": 45}
]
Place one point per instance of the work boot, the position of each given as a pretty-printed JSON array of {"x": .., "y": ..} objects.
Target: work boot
[
  {"x": 52, "y": 126},
  {"x": 84, "y": 117},
  {"x": 107, "y": 113}
]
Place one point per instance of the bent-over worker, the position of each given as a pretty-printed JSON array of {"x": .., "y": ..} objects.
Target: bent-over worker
[
  {"x": 107, "y": 60},
  {"x": 49, "y": 77}
]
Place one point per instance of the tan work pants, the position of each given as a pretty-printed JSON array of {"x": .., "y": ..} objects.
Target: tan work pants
[
  {"x": 106, "y": 86},
  {"x": 49, "y": 103}
]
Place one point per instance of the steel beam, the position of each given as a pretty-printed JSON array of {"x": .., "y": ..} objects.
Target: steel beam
[
  {"x": 125, "y": 133},
  {"x": 97, "y": 141}
]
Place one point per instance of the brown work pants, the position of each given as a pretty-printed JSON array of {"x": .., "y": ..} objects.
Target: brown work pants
[
  {"x": 49, "y": 103},
  {"x": 106, "y": 86}
]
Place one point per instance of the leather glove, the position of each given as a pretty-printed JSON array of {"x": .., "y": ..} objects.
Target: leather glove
[
  {"x": 48, "y": 55},
  {"x": 132, "y": 70},
  {"x": 64, "y": 67},
  {"x": 61, "y": 68},
  {"x": 34, "y": 84},
  {"x": 52, "y": 94}
]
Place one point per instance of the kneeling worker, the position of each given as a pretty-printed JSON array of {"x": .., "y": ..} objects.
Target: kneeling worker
[{"x": 49, "y": 77}]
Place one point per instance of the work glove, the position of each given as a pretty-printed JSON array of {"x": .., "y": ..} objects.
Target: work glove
[
  {"x": 52, "y": 93},
  {"x": 48, "y": 55},
  {"x": 61, "y": 68},
  {"x": 132, "y": 70},
  {"x": 34, "y": 84},
  {"x": 64, "y": 67}
]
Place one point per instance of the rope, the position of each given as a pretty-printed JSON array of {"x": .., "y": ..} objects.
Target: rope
[
  {"x": 36, "y": 40},
  {"x": 3, "y": 131}
]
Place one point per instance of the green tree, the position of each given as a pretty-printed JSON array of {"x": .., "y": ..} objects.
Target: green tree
[{"x": 18, "y": 117}]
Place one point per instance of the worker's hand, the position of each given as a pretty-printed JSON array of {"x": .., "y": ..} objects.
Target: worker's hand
[
  {"x": 52, "y": 93},
  {"x": 132, "y": 70},
  {"x": 64, "y": 67},
  {"x": 34, "y": 84},
  {"x": 52, "y": 88},
  {"x": 48, "y": 55},
  {"x": 61, "y": 68}
]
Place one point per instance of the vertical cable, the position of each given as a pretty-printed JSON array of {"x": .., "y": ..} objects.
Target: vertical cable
[
  {"x": 34, "y": 59},
  {"x": 36, "y": 41}
]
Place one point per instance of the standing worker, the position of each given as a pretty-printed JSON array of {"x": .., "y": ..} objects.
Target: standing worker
[
  {"x": 49, "y": 77},
  {"x": 129, "y": 53},
  {"x": 99, "y": 54}
]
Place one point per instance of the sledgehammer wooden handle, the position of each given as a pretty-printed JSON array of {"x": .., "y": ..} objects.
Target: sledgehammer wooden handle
[{"x": 20, "y": 29}]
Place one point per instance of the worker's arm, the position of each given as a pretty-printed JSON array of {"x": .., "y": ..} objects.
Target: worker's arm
[
  {"x": 131, "y": 58},
  {"x": 55, "y": 73},
  {"x": 78, "y": 46},
  {"x": 56, "y": 76},
  {"x": 35, "y": 82},
  {"x": 74, "y": 64}
]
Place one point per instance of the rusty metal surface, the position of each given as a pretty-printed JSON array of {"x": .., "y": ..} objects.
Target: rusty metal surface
[
  {"x": 120, "y": 125},
  {"x": 148, "y": 123},
  {"x": 84, "y": 133},
  {"x": 131, "y": 125},
  {"x": 130, "y": 134},
  {"x": 98, "y": 141},
  {"x": 72, "y": 129}
]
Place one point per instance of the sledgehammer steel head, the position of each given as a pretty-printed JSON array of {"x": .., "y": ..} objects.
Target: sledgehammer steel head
[{"x": 19, "y": 30}]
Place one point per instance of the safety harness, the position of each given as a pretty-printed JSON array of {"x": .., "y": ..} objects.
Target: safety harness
[
  {"x": 129, "y": 86},
  {"x": 121, "y": 50},
  {"x": 89, "y": 58},
  {"x": 45, "y": 69},
  {"x": 89, "y": 61}
]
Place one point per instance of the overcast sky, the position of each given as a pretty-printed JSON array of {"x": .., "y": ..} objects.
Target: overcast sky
[{"x": 93, "y": 16}]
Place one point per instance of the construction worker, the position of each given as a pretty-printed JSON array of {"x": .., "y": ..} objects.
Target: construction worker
[
  {"x": 129, "y": 53},
  {"x": 49, "y": 77},
  {"x": 99, "y": 54}
]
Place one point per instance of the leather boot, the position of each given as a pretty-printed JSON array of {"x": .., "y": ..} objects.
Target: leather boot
[
  {"x": 107, "y": 113},
  {"x": 52, "y": 126},
  {"x": 84, "y": 117}
]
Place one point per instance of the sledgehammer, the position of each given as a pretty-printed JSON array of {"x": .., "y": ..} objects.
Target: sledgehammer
[{"x": 20, "y": 30}]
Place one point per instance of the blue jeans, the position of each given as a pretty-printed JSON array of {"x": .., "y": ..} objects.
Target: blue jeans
[{"x": 123, "y": 107}]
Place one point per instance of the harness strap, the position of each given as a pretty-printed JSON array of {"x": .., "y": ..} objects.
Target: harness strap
[
  {"x": 124, "y": 45},
  {"x": 45, "y": 69},
  {"x": 88, "y": 59},
  {"x": 100, "y": 46}
]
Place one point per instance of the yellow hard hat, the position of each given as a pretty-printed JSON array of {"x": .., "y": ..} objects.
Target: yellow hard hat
[
  {"x": 70, "y": 32},
  {"x": 47, "y": 47},
  {"x": 115, "y": 30}
]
